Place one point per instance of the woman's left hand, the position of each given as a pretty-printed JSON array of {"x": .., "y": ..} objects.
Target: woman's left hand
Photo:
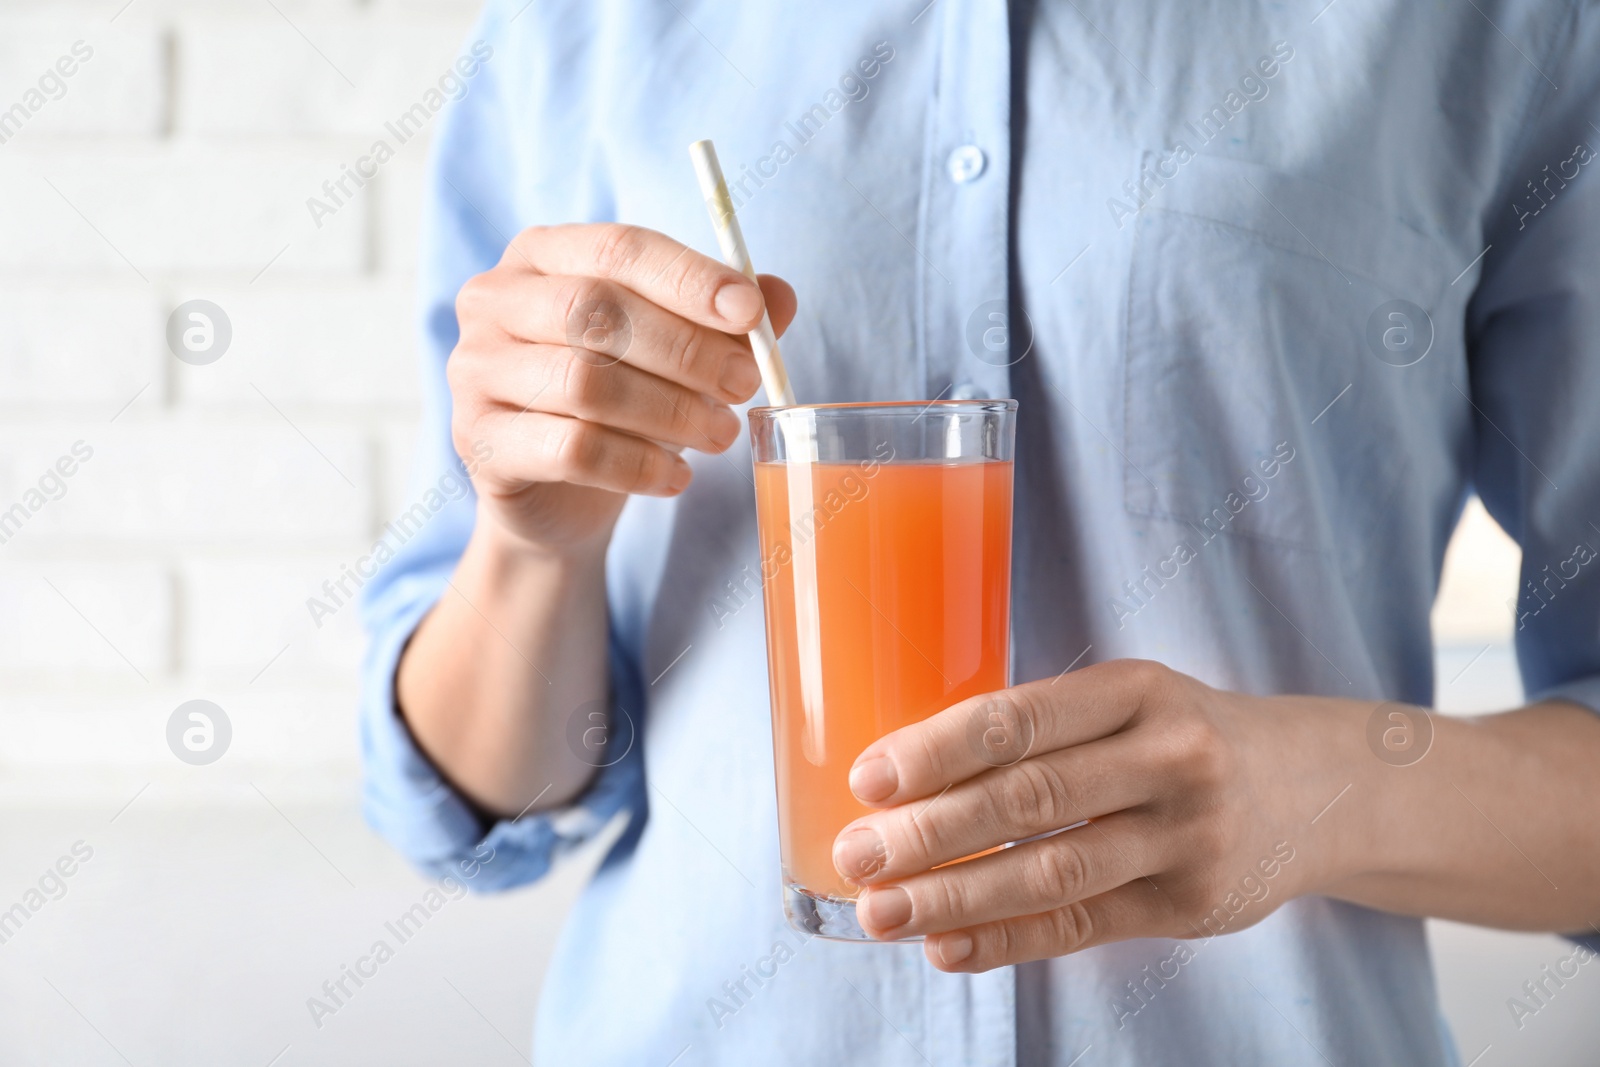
[{"x": 1199, "y": 804}]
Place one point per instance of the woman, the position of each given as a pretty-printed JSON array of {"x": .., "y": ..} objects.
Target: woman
[{"x": 1275, "y": 290}]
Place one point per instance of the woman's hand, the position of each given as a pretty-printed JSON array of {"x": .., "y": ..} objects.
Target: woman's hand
[
  {"x": 1200, "y": 804},
  {"x": 588, "y": 359}
]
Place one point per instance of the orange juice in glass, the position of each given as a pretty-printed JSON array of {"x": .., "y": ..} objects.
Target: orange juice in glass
[{"x": 886, "y": 571}]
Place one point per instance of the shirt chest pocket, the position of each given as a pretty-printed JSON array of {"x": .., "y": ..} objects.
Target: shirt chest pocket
[{"x": 1252, "y": 298}]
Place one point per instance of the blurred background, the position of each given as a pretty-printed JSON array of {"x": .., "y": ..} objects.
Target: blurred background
[{"x": 208, "y": 902}]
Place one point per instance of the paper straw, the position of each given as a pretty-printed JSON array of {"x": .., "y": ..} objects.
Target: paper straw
[{"x": 763, "y": 341}]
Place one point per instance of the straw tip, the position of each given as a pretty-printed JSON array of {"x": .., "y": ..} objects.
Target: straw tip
[{"x": 703, "y": 145}]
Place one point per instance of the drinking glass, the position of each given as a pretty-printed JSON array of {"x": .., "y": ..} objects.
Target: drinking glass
[{"x": 886, "y": 571}]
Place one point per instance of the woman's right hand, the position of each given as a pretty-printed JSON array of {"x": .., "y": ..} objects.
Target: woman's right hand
[{"x": 588, "y": 359}]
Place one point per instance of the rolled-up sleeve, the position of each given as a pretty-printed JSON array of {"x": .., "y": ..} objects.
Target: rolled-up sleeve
[
  {"x": 407, "y": 800},
  {"x": 1534, "y": 344},
  {"x": 470, "y": 217},
  {"x": 1533, "y": 330}
]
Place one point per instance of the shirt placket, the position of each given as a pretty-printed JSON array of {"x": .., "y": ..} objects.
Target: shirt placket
[
  {"x": 966, "y": 349},
  {"x": 964, "y": 224}
]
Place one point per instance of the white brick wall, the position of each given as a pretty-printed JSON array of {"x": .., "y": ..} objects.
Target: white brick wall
[
  {"x": 175, "y": 165},
  {"x": 171, "y": 208},
  {"x": 250, "y": 77},
  {"x": 78, "y": 620},
  {"x": 112, "y": 82},
  {"x": 340, "y": 346},
  {"x": 54, "y": 355}
]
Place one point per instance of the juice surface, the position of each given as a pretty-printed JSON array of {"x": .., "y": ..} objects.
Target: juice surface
[{"x": 887, "y": 589}]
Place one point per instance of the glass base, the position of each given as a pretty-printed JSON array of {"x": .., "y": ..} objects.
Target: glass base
[{"x": 826, "y": 917}]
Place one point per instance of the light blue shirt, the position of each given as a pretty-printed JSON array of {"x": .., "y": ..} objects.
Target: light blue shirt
[{"x": 1198, "y": 243}]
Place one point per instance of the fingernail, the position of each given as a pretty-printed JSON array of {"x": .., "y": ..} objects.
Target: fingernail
[
  {"x": 724, "y": 426},
  {"x": 887, "y": 909},
  {"x": 740, "y": 377},
  {"x": 738, "y": 302},
  {"x": 680, "y": 477},
  {"x": 953, "y": 948},
  {"x": 859, "y": 855},
  {"x": 874, "y": 779}
]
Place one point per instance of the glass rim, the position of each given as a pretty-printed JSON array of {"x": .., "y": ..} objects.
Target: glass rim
[{"x": 887, "y": 407}]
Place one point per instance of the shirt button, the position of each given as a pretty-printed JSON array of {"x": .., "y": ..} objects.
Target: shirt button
[
  {"x": 966, "y": 391},
  {"x": 965, "y": 163}
]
